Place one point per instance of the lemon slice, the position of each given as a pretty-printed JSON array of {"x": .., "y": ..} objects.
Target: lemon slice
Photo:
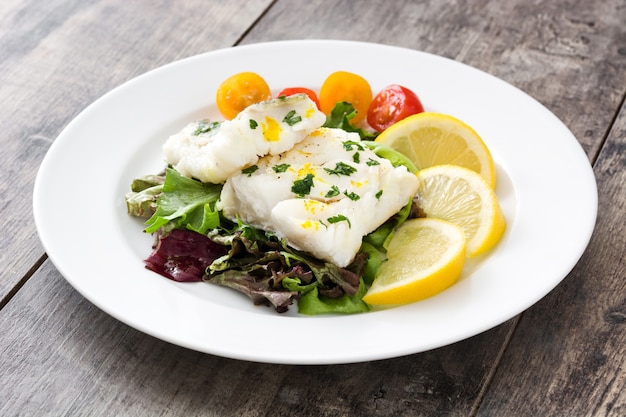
[
  {"x": 429, "y": 139},
  {"x": 424, "y": 257},
  {"x": 461, "y": 196}
]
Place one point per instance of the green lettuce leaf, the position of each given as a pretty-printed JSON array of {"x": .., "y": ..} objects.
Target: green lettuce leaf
[
  {"x": 186, "y": 202},
  {"x": 312, "y": 303},
  {"x": 379, "y": 237},
  {"x": 396, "y": 158},
  {"x": 340, "y": 117},
  {"x": 145, "y": 191},
  {"x": 143, "y": 203},
  {"x": 267, "y": 270},
  {"x": 375, "y": 257}
]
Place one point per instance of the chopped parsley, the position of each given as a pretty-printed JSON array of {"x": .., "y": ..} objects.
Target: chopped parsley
[
  {"x": 250, "y": 169},
  {"x": 356, "y": 157},
  {"x": 371, "y": 162},
  {"x": 339, "y": 218},
  {"x": 333, "y": 192},
  {"x": 303, "y": 186},
  {"x": 350, "y": 145},
  {"x": 292, "y": 118},
  {"x": 280, "y": 168},
  {"x": 204, "y": 126},
  {"x": 341, "y": 169},
  {"x": 253, "y": 124},
  {"x": 352, "y": 196},
  {"x": 378, "y": 194}
]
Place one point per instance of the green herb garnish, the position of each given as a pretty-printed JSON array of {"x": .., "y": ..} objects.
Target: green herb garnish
[
  {"x": 350, "y": 145},
  {"x": 334, "y": 191},
  {"x": 352, "y": 196},
  {"x": 303, "y": 186},
  {"x": 250, "y": 170},
  {"x": 339, "y": 218},
  {"x": 292, "y": 118},
  {"x": 341, "y": 169},
  {"x": 253, "y": 124},
  {"x": 280, "y": 168},
  {"x": 204, "y": 126}
]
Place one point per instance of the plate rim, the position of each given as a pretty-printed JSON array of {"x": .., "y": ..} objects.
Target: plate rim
[{"x": 40, "y": 199}]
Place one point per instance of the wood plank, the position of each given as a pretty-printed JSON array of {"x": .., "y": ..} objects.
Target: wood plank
[
  {"x": 58, "y": 56},
  {"x": 562, "y": 53},
  {"x": 567, "y": 55},
  {"x": 432, "y": 381},
  {"x": 60, "y": 355},
  {"x": 60, "y": 364},
  {"x": 568, "y": 355}
]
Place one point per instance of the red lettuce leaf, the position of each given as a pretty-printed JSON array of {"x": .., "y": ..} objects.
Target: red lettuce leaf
[{"x": 183, "y": 255}]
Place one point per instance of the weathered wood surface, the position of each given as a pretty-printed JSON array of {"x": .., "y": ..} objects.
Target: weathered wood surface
[
  {"x": 57, "y": 57},
  {"x": 571, "y": 346},
  {"x": 60, "y": 355}
]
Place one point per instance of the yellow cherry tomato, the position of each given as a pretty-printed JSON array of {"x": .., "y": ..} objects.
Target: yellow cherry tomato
[
  {"x": 239, "y": 91},
  {"x": 346, "y": 86}
]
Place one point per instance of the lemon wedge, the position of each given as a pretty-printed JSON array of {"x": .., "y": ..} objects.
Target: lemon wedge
[
  {"x": 463, "y": 197},
  {"x": 424, "y": 257},
  {"x": 429, "y": 139}
]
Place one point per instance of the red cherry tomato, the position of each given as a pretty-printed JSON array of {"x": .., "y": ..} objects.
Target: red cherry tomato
[
  {"x": 298, "y": 90},
  {"x": 392, "y": 104}
]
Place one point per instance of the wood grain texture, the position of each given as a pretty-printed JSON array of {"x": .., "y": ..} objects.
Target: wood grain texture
[
  {"x": 84, "y": 362},
  {"x": 57, "y": 57},
  {"x": 60, "y": 355},
  {"x": 569, "y": 55},
  {"x": 568, "y": 355}
]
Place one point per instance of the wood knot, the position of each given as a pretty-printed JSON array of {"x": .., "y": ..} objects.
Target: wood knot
[{"x": 615, "y": 317}]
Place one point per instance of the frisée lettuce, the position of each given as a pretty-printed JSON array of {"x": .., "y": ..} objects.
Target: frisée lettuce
[{"x": 195, "y": 241}]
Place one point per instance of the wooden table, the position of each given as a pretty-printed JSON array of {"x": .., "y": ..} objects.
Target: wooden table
[{"x": 60, "y": 355}]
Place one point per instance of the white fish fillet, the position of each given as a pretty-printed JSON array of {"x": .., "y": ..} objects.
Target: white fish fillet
[
  {"x": 269, "y": 127},
  {"x": 352, "y": 192}
]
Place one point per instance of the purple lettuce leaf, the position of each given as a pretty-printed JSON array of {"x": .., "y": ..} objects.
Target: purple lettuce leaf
[{"x": 183, "y": 255}]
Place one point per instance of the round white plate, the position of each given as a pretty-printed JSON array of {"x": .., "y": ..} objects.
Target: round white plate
[{"x": 545, "y": 185}]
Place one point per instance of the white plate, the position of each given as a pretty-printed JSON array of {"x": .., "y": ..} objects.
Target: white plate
[{"x": 545, "y": 184}]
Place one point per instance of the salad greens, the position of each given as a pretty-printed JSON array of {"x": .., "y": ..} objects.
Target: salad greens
[
  {"x": 188, "y": 202},
  {"x": 266, "y": 269},
  {"x": 194, "y": 242},
  {"x": 340, "y": 117}
]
